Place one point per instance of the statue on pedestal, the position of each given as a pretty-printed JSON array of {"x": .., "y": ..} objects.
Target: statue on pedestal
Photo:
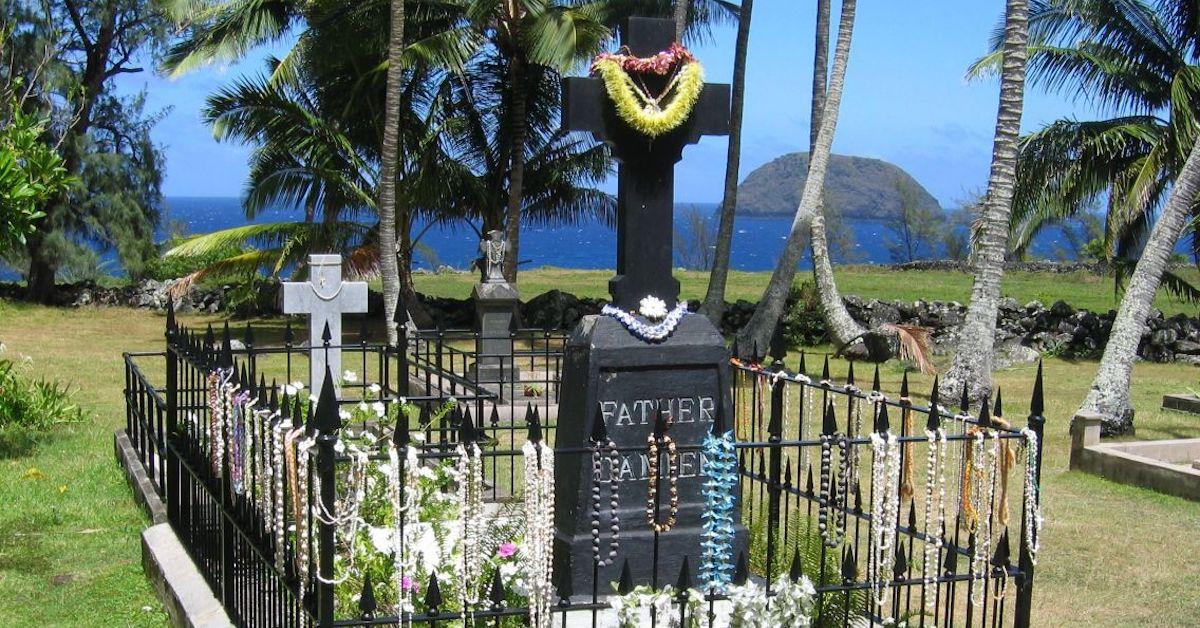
[{"x": 491, "y": 263}]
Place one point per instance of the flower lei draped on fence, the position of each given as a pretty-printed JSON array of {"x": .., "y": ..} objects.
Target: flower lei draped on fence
[{"x": 651, "y": 114}]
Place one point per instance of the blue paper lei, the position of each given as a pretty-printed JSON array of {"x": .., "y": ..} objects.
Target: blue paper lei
[{"x": 716, "y": 566}]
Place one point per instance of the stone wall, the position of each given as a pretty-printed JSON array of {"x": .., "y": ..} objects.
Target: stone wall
[{"x": 1023, "y": 331}]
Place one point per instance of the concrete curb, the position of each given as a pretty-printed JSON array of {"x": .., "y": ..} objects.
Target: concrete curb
[
  {"x": 177, "y": 582},
  {"x": 135, "y": 473}
]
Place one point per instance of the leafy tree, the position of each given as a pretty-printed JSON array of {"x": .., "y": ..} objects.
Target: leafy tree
[
  {"x": 915, "y": 228},
  {"x": 31, "y": 173},
  {"x": 67, "y": 52}
]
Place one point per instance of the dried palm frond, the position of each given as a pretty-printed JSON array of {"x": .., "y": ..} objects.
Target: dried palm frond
[{"x": 914, "y": 345}]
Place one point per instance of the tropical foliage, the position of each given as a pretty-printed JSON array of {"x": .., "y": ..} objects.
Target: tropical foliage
[
  {"x": 31, "y": 173},
  {"x": 1135, "y": 61}
]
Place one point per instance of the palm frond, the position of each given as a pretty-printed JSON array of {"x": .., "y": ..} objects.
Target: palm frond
[{"x": 914, "y": 345}]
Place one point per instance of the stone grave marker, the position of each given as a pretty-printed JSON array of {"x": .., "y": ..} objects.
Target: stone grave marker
[
  {"x": 324, "y": 298},
  {"x": 612, "y": 375}
]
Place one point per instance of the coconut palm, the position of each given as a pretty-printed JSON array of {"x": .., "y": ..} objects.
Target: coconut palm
[
  {"x": 1108, "y": 395},
  {"x": 759, "y": 329},
  {"x": 1138, "y": 63},
  {"x": 1135, "y": 61},
  {"x": 389, "y": 158},
  {"x": 714, "y": 298},
  {"x": 972, "y": 365}
]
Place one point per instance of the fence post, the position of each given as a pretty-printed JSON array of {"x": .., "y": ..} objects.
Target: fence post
[
  {"x": 328, "y": 424},
  {"x": 171, "y": 483},
  {"x": 1024, "y": 581},
  {"x": 774, "y": 462}
]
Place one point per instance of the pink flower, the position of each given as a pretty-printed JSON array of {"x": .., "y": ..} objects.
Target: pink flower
[
  {"x": 408, "y": 584},
  {"x": 507, "y": 549}
]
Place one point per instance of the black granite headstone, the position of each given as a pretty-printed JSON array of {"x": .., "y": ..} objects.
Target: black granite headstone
[{"x": 611, "y": 375}]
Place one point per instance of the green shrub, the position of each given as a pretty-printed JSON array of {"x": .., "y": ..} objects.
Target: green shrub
[
  {"x": 803, "y": 324},
  {"x": 30, "y": 406},
  {"x": 164, "y": 268}
]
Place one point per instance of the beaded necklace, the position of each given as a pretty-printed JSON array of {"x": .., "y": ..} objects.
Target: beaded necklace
[
  {"x": 404, "y": 472},
  {"x": 346, "y": 510},
  {"x": 673, "y": 484},
  {"x": 935, "y": 508},
  {"x": 278, "y": 474},
  {"x": 539, "y": 519},
  {"x": 885, "y": 509},
  {"x": 983, "y": 489},
  {"x": 1032, "y": 509},
  {"x": 469, "y": 475},
  {"x": 614, "y": 461}
]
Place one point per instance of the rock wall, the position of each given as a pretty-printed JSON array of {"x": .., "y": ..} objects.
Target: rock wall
[{"x": 1023, "y": 331}]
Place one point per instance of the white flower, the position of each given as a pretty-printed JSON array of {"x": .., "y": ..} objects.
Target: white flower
[
  {"x": 339, "y": 446},
  {"x": 289, "y": 389},
  {"x": 381, "y": 538},
  {"x": 349, "y": 377},
  {"x": 380, "y": 410},
  {"x": 653, "y": 308},
  {"x": 312, "y": 398},
  {"x": 298, "y": 385},
  {"x": 374, "y": 388},
  {"x": 362, "y": 405},
  {"x": 344, "y": 414}
]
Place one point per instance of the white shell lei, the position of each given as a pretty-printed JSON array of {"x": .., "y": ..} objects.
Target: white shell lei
[
  {"x": 537, "y": 552},
  {"x": 648, "y": 333},
  {"x": 1033, "y": 510},
  {"x": 885, "y": 510}
]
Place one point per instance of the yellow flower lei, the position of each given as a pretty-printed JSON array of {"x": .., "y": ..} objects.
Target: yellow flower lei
[{"x": 640, "y": 112}]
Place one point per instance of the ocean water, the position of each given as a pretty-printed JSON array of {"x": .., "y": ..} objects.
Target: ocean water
[{"x": 757, "y": 242}]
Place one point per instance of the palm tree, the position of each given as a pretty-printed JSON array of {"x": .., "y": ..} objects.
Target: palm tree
[
  {"x": 714, "y": 298},
  {"x": 389, "y": 159},
  {"x": 758, "y": 330},
  {"x": 1136, "y": 62},
  {"x": 842, "y": 327},
  {"x": 680, "y": 16},
  {"x": 1108, "y": 395},
  {"x": 972, "y": 366}
]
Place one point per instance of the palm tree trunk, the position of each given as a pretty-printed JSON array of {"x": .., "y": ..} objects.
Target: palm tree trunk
[
  {"x": 841, "y": 326},
  {"x": 516, "y": 176},
  {"x": 681, "y": 8},
  {"x": 390, "y": 158},
  {"x": 972, "y": 364},
  {"x": 1109, "y": 393},
  {"x": 757, "y": 332},
  {"x": 714, "y": 299}
]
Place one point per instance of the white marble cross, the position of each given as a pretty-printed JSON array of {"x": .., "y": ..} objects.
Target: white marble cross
[{"x": 324, "y": 297}]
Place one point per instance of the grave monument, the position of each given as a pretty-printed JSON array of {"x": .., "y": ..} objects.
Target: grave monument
[
  {"x": 324, "y": 297},
  {"x": 496, "y": 302},
  {"x": 645, "y": 356}
]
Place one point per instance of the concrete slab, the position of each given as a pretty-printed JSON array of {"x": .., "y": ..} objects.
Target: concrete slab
[
  {"x": 1182, "y": 402},
  {"x": 135, "y": 473}
]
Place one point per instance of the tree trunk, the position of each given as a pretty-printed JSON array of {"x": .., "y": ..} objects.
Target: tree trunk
[
  {"x": 758, "y": 331},
  {"x": 841, "y": 326},
  {"x": 681, "y": 10},
  {"x": 1109, "y": 393},
  {"x": 390, "y": 159},
  {"x": 972, "y": 364},
  {"x": 714, "y": 299},
  {"x": 516, "y": 175},
  {"x": 408, "y": 290},
  {"x": 42, "y": 268}
]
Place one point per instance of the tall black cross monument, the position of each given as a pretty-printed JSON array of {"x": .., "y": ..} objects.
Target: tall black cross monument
[{"x": 610, "y": 375}]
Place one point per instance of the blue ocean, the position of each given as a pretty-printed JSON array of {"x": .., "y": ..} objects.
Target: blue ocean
[{"x": 757, "y": 241}]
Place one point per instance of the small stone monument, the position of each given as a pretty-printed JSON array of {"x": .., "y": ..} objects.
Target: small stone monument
[
  {"x": 624, "y": 379},
  {"x": 496, "y": 303},
  {"x": 324, "y": 297}
]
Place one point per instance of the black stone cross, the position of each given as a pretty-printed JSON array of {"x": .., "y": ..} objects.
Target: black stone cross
[{"x": 646, "y": 172}]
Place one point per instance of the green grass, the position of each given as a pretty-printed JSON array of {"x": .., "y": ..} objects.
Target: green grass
[
  {"x": 69, "y": 547},
  {"x": 1080, "y": 290}
]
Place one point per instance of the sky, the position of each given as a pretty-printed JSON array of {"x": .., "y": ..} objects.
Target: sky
[{"x": 906, "y": 100}]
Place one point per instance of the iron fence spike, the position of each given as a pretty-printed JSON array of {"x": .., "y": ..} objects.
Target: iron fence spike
[
  {"x": 935, "y": 415},
  {"x": 1037, "y": 403},
  {"x": 328, "y": 417},
  {"x": 599, "y": 430},
  {"x": 797, "y": 569},
  {"x": 685, "y": 577},
  {"x": 741, "y": 573},
  {"x": 626, "y": 583},
  {"x": 366, "y": 601}
]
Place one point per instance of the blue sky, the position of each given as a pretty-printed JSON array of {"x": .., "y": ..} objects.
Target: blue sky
[{"x": 906, "y": 100}]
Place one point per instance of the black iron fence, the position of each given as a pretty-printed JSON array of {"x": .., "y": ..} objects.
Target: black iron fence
[{"x": 290, "y": 506}]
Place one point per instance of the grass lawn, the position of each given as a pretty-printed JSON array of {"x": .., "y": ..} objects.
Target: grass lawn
[{"x": 69, "y": 545}]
